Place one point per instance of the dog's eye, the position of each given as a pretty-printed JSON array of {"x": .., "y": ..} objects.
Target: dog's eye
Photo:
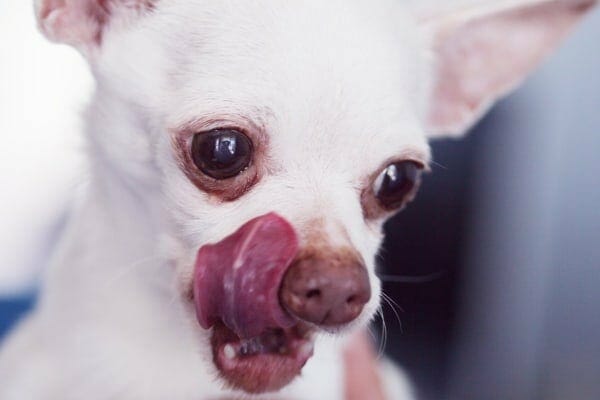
[
  {"x": 397, "y": 184},
  {"x": 222, "y": 153}
]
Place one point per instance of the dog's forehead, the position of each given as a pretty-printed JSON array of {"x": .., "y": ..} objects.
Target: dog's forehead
[{"x": 339, "y": 78}]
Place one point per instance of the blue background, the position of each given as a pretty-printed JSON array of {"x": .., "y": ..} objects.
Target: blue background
[{"x": 11, "y": 310}]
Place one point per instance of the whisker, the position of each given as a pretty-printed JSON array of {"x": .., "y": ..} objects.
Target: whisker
[
  {"x": 392, "y": 302},
  {"x": 384, "y": 335},
  {"x": 129, "y": 269},
  {"x": 394, "y": 306},
  {"x": 437, "y": 164},
  {"x": 372, "y": 334},
  {"x": 412, "y": 279}
]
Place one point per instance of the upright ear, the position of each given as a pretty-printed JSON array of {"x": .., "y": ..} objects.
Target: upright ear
[
  {"x": 81, "y": 23},
  {"x": 483, "y": 52}
]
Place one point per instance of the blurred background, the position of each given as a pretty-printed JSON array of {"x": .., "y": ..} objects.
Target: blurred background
[{"x": 506, "y": 227}]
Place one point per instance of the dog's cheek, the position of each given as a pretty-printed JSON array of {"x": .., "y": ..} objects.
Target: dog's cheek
[
  {"x": 374, "y": 303},
  {"x": 371, "y": 241},
  {"x": 372, "y": 307},
  {"x": 179, "y": 258},
  {"x": 183, "y": 290}
]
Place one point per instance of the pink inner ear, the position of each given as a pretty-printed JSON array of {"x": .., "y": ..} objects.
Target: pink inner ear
[
  {"x": 81, "y": 22},
  {"x": 485, "y": 57}
]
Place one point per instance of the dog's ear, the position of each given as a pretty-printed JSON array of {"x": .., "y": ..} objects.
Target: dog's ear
[
  {"x": 482, "y": 52},
  {"x": 81, "y": 23}
]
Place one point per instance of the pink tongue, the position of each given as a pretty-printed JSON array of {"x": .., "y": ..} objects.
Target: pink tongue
[{"x": 237, "y": 280}]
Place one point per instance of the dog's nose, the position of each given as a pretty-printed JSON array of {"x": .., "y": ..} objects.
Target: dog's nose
[{"x": 325, "y": 292}]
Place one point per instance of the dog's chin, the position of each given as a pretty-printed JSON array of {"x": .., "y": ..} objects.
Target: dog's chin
[{"x": 266, "y": 363}]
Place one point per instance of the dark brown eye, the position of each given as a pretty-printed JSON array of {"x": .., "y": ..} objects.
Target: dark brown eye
[
  {"x": 397, "y": 184},
  {"x": 222, "y": 153}
]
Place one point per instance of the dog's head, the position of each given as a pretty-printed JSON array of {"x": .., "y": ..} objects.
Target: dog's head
[{"x": 280, "y": 135}]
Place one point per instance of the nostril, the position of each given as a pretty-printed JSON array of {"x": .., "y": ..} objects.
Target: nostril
[{"x": 325, "y": 292}]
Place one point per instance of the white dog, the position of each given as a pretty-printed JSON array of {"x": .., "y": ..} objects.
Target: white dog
[{"x": 243, "y": 158}]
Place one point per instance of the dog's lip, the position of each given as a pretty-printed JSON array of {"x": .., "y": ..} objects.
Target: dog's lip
[{"x": 265, "y": 363}]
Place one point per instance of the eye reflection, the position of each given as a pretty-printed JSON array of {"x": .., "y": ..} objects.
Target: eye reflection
[
  {"x": 395, "y": 186},
  {"x": 222, "y": 153}
]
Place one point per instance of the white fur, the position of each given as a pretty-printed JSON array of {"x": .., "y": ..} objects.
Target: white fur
[{"x": 340, "y": 86}]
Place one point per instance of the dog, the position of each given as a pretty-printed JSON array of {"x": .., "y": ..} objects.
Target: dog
[{"x": 243, "y": 157}]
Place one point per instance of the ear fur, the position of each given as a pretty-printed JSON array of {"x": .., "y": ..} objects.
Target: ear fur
[
  {"x": 483, "y": 52},
  {"x": 81, "y": 23}
]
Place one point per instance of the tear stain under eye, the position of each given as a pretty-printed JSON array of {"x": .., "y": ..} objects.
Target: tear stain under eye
[
  {"x": 227, "y": 190},
  {"x": 218, "y": 191}
]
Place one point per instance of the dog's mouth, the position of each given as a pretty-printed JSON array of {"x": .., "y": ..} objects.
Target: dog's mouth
[
  {"x": 263, "y": 363},
  {"x": 257, "y": 346}
]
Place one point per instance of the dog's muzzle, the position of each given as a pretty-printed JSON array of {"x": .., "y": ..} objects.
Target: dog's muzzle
[
  {"x": 252, "y": 281},
  {"x": 263, "y": 301}
]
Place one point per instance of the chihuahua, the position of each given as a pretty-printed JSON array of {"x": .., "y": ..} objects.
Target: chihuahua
[{"x": 243, "y": 157}]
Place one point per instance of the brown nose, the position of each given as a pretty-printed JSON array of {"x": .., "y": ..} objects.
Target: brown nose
[{"x": 325, "y": 292}]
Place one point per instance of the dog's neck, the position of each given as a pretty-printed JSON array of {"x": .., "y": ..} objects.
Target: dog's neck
[
  {"x": 111, "y": 250},
  {"x": 118, "y": 220}
]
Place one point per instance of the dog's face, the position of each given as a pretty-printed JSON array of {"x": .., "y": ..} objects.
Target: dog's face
[{"x": 279, "y": 136}]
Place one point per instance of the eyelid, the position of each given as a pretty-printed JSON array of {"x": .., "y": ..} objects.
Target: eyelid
[
  {"x": 420, "y": 164},
  {"x": 423, "y": 166},
  {"x": 419, "y": 155},
  {"x": 372, "y": 209}
]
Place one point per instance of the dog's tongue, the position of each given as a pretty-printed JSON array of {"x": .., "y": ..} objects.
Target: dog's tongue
[{"x": 237, "y": 280}]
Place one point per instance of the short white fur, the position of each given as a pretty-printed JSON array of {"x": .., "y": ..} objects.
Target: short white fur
[{"x": 340, "y": 87}]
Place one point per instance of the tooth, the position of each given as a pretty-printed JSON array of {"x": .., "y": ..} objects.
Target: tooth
[
  {"x": 307, "y": 349},
  {"x": 229, "y": 351},
  {"x": 246, "y": 349}
]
